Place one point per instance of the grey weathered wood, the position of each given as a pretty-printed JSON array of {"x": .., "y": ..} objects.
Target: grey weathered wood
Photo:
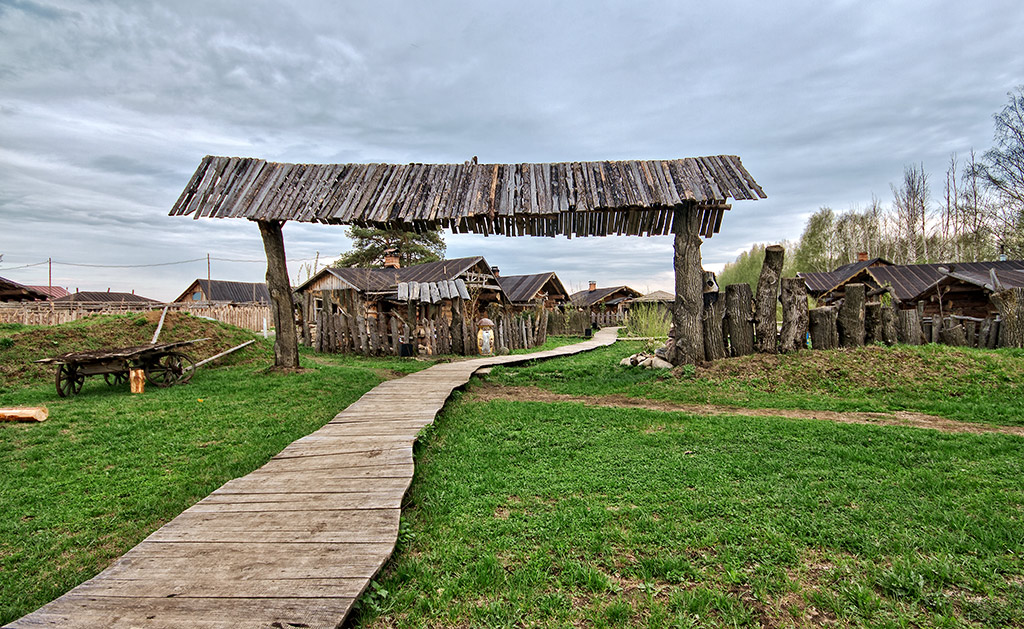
[
  {"x": 851, "y": 317},
  {"x": 888, "y": 324},
  {"x": 795, "y": 320},
  {"x": 738, "y": 319},
  {"x": 1010, "y": 304},
  {"x": 295, "y": 542},
  {"x": 687, "y": 312},
  {"x": 766, "y": 333},
  {"x": 873, "y": 323},
  {"x": 824, "y": 331},
  {"x": 714, "y": 318},
  {"x": 286, "y": 341}
]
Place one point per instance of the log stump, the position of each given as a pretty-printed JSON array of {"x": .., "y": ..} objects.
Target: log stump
[
  {"x": 1010, "y": 304},
  {"x": 738, "y": 317},
  {"x": 766, "y": 332},
  {"x": 850, "y": 320},
  {"x": 714, "y": 339},
  {"x": 873, "y": 323},
  {"x": 795, "y": 320},
  {"x": 888, "y": 325},
  {"x": 824, "y": 331}
]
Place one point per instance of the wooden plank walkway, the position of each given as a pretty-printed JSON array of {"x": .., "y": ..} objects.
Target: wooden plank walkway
[{"x": 294, "y": 543}]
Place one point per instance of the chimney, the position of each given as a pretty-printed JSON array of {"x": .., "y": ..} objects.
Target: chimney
[
  {"x": 593, "y": 285},
  {"x": 495, "y": 270},
  {"x": 391, "y": 261},
  {"x": 862, "y": 256}
]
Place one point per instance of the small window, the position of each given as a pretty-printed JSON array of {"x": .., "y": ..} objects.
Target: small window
[{"x": 197, "y": 296}]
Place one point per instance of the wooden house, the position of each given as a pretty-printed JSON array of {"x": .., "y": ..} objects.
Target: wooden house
[
  {"x": 527, "y": 291},
  {"x": 606, "y": 305},
  {"x": 427, "y": 308},
  {"x": 224, "y": 291},
  {"x": 659, "y": 298},
  {"x": 104, "y": 298},
  {"x": 966, "y": 292},
  {"x": 52, "y": 292},
  {"x": 909, "y": 284}
]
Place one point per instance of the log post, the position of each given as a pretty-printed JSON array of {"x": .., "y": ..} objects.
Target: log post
[
  {"x": 824, "y": 332},
  {"x": 1010, "y": 304},
  {"x": 286, "y": 341},
  {"x": 851, "y": 317},
  {"x": 795, "y": 319},
  {"x": 873, "y": 323},
  {"x": 738, "y": 311},
  {"x": 689, "y": 305},
  {"x": 766, "y": 334},
  {"x": 888, "y": 325},
  {"x": 714, "y": 341}
]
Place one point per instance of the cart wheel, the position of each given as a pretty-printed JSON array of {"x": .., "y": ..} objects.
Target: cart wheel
[
  {"x": 170, "y": 369},
  {"x": 115, "y": 379},
  {"x": 69, "y": 379}
]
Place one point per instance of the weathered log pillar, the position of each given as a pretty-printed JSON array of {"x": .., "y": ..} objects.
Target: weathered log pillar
[
  {"x": 1010, "y": 304},
  {"x": 851, "y": 317},
  {"x": 766, "y": 332},
  {"x": 952, "y": 333},
  {"x": 689, "y": 304},
  {"x": 908, "y": 327},
  {"x": 286, "y": 341},
  {"x": 873, "y": 323},
  {"x": 793, "y": 336},
  {"x": 888, "y": 325},
  {"x": 824, "y": 332},
  {"x": 714, "y": 341},
  {"x": 738, "y": 319}
]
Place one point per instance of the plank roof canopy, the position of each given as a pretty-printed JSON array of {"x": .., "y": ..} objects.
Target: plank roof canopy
[{"x": 569, "y": 198}]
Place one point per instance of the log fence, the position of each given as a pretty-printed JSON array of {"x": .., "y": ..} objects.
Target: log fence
[{"x": 250, "y": 316}]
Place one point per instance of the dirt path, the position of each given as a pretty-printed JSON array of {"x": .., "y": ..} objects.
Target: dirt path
[{"x": 487, "y": 391}]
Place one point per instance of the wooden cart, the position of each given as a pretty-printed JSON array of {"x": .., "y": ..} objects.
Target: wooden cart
[{"x": 163, "y": 364}]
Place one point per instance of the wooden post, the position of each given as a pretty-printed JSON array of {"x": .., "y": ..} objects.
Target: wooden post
[
  {"x": 795, "y": 319},
  {"x": 851, "y": 317},
  {"x": 286, "y": 342},
  {"x": 714, "y": 340},
  {"x": 888, "y": 325},
  {"x": 738, "y": 315},
  {"x": 1010, "y": 304},
  {"x": 766, "y": 333},
  {"x": 689, "y": 274},
  {"x": 824, "y": 332},
  {"x": 873, "y": 323}
]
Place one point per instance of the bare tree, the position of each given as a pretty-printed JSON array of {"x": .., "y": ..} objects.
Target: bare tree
[
  {"x": 910, "y": 201},
  {"x": 1002, "y": 171}
]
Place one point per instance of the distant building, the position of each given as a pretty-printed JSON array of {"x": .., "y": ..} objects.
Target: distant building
[
  {"x": 605, "y": 304},
  {"x": 224, "y": 291},
  {"x": 52, "y": 292},
  {"x": 101, "y": 297},
  {"x": 13, "y": 291},
  {"x": 528, "y": 290}
]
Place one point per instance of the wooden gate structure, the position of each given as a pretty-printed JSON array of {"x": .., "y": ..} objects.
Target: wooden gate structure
[{"x": 686, "y": 198}]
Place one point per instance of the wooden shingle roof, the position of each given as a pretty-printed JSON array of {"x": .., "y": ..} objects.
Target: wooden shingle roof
[
  {"x": 524, "y": 288},
  {"x": 569, "y": 198},
  {"x": 387, "y": 280},
  {"x": 226, "y": 290},
  {"x": 586, "y": 298}
]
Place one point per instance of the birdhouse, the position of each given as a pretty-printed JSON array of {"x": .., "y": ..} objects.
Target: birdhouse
[{"x": 485, "y": 336}]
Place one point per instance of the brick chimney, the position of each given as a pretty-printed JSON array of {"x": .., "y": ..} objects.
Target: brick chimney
[
  {"x": 495, "y": 270},
  {"x": 391, "y": 261},
  {"x": 862, "y": 256},
  {"x": 593, "y": 285}
]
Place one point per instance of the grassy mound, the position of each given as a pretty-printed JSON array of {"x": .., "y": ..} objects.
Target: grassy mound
[{"x": 20, "y": 345}]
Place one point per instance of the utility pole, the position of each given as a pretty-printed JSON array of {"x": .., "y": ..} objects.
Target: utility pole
[
  {"x": 207, "y": 270},
  {"x": 49, "y": 275}
]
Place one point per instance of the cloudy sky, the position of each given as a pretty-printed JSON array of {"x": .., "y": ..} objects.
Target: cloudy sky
[{"x": 106, "y": 108}]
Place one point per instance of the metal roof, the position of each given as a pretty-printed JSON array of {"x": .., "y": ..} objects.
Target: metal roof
[
  {"x": 524, "y": 288},
  {"x": 590, "y": 297},
  {"x": 570, "y": 198},
  {"x": 105, "y": 296},
  {"x": 226, "y": 290},
  {"x": 907, "y": 281}
]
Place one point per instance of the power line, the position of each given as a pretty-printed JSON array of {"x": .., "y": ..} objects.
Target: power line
[{"x": 143, "y": 266}]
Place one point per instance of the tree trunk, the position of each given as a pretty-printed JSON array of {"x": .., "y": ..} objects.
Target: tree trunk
[
  {"x": 908, "y": 327},
  {"x": 952, "y": 333},
  {"x": 824, "y": 332},
  {"x": 286, "y": 341},
  {"x": 851, "y": 317},
  {"x": 738, "y": 314},
  {"x": 689, "y": 305},
  {"x": 873, "y": 323},
  {"x": 714, "y": 342},
  {"x": 793, "y": 336},
  {"x": 765, "y": 329},
  {"x": 888, "y": 325},
  {"x": 1010, "y": 304}
]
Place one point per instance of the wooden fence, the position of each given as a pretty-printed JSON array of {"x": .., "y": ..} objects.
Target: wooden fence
[
  {"x": 250, "y": 316},
  {"x": 386, "y": 333}
]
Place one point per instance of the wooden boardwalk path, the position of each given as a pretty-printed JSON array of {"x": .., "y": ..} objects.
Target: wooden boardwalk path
[{"x": 293, "y": 543}]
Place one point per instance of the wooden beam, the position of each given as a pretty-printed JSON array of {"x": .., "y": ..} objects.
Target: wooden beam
[{"x": 286, "y": 341}]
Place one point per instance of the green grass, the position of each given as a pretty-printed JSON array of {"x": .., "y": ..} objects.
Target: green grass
[
  {"x": 972, "y": 385},
  {"x": 564, "y": 515}
]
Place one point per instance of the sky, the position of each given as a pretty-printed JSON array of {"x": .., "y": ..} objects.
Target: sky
[{"x": 107, "y": 108}]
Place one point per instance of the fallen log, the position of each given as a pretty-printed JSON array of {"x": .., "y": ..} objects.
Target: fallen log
[{"x": 25, "y": 414}]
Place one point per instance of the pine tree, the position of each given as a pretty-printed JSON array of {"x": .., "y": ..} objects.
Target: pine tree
[{"x": 369, "y": 245}]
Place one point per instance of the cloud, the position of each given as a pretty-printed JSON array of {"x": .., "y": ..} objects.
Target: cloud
[{"x": 107, "y": 108}]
